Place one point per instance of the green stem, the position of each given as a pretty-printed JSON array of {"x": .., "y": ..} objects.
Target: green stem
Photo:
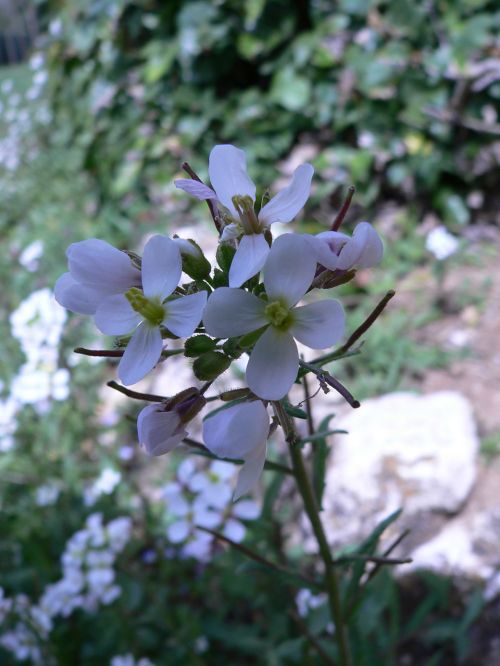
[{"x": 312, "y": 510}]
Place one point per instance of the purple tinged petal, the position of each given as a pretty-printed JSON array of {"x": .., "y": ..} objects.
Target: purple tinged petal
[
  {"x": 195, "y": 188},
  {"x": 141, "y": 355},
  {"x": 75, "y": 297},
  {"x": 115, "y": 316},
  {"x": 319, "y": 325},
  {"x": 184, "y": 314},
  {"x": 250, "y": 471},
  {"x": 161, "y": 267},
  {"x": 273, "y": 365},
  {"x": 236, "y": 431},
  {"x": 231, "y": 312},
  {"x": 159, "y": 431},
  {"x": 98, "y": 264},
  {"x": 289, "y": 269},
  {"x": 249, "y": 259},
  {"x": 227, "y": 168},
  {"x": 286, "y": 204}
]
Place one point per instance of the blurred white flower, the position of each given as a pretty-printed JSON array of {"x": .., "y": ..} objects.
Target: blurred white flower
[
  {"x": 29, "y": 257},
  {"x": 441, "y": 243}
]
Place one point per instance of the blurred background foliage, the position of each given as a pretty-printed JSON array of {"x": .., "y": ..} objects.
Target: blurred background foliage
[{"x": 396, "y": 97}]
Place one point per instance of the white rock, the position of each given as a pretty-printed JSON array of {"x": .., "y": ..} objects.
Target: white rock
[{"x": 402, "y": 450}]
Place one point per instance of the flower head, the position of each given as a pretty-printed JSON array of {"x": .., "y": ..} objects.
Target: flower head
[
  {"x": 338, "y": 251},
  {"x": 144, "y": 313},
  {"x": 235, "y": 191},
  {"x": 274, "y": 361}
]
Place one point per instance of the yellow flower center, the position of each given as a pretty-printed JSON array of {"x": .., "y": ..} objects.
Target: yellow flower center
[
  {"x": 150, "y": 309},
  {"x": 279, "y": 315}
]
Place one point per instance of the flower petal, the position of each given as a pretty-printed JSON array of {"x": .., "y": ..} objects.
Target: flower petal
[
  {"x": 246, "y": 510},
  {"x": 159, "y": 431},
  {"x": 319, "y": 325},
  {"x": 273, "y": 365},
  {"x": 230, "y": 312},
  {"x": 234, "y": 530},
  {"x": 161, "y": 267},
  {"x": 289, "y": 269},
  {"x": 236, "y": 431},
  {"x": 230, "y": 232},
  {"x": 227, "y": 168},
  {"x": 195, "y": 188},
  {"x": 184, "y": 314},
  {"x": 372, "y": 246},
  {"x": 98, "y": 264},
  {"x": 327, "y": 246},
  {"x": 76, "y": 297},
  {"x": 251, "y": 471},
  {"x": 179, "y": 531},
  {"x": 286, "y": 204},
  {"x": 141, "y": 355},
  {"x": 115, "y": 316},
  {"x": 249, "y": 259}
]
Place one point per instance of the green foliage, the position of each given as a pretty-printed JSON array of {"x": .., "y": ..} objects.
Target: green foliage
[{"x": 385, "y": 90}]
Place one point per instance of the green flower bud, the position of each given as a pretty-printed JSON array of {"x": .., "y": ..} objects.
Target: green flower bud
[
  {"x": 224, "y": 255},
  {"x": 210, "y": 365},
  {"x": 194, "y": 262},
  {"x": 198, "y": 344}
]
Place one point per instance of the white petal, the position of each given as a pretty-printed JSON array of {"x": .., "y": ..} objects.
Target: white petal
[
  {"x": 204, "y": 516},
  {"x": 287, "y": 203},
  {"x": 227, "y": 168},
  {"x": 179, "y": 531},
  {"x": 230, "y": 312},
  {"x": 234, "y": 530},
  {"x": 373, "y": 248},
  {"x": 97, "y": 263},
  {"x": 249, "y": 259},
  {"x": 115, "y": 316},
  {"x": 250, "y": 471},
  {"x": 236, "y": 431},
  {"x": 195, "y": 188},
  {"x": 141, "y": 355},
  {"x": 246, "y": 510},
  {"x": 289, "y": 269},
  {"x": 319, "y": 325},
  {"x": 273, "y": 365},
  {"x": 161, "y": 267},
  {"x": 230, "y": 232},
  {"x": 186, "y": 470},
  {"x": 184, "y": 314},
  {"x": 76, "y": 297},
  {"x": 159, "y": 431},
  {"x": 326, "y": 248}
]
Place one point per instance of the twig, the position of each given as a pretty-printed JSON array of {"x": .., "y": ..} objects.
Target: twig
[
  {"x": 377, "y": 559},
  {"x": 150, "y": 397},
  {"x": 345, "y": 207},
  {"x": 326, "y": 379},
  {"x": 387, "y": 552},
  {"x": 257, "y": 557},
  {"x": 310, "y": 637},
  {"x": 307, "y": 401},
  {"x": 111, "y": 353},
  {"x": 369, "y": 321},
  {"x": 212, "y": 206}
]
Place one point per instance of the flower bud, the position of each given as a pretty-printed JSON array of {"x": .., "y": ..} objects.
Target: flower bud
[
  {"x": 210, "y": 365},
  {"x": 194, "y": 262},
  {"x": 198, "y": 344}
]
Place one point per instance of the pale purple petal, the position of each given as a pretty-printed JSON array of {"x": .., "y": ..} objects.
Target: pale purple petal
[
  {"x": 234, "y": 530},
  {"x": 273, "y": 365},
  {"x": 287, "y": 203},
  {"x": 76, "y": 297},
  {"x": 95, "y": 263},
  {"x": 115, "y": 316},
  {"x": 251, "y": 471},
  {"x": 159, "y": 431},
  {"x": 141, "y": 355},
  {"x": 230, "y": 312},
  {"x": 161, "y": 267},
  {"x": 249, "y": 259},
  {"x": 179, "y": 531},
  {"x": 227, "y": 168},
  {"x": 230, "y": 232},
  {"x": 289, "y": 269},
  {"x": 234, "y": 432},
  {"x": 371, "y": 244},
  {"x": 326, "y": 247},
  {"x": 319, "y": 325},
  {"x": 182, "y": 315},
  {"x": 195, "y": 188},
  {"x": 246, "y": 510}
]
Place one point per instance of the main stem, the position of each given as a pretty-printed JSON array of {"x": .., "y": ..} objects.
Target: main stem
[{"x": 312, "y": 510}]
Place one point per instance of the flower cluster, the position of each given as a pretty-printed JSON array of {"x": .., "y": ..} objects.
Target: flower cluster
[
  {"x": 202, "y": 498},
  {"x": 88, "y": 581},
  {"x": 250, "y": 304}
]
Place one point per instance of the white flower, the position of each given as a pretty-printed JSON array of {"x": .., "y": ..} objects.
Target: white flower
[
  {"x": 96, "y": 270},
  {"x": 240, "y": 431},
  {"x": 337, "y": 251},
  {"x": 274, "y": 361},
  {"x": 441, "y": 243},
  {"x": 144, "y": 313},
  {"x": 159, "y": 431},
  {"x": 30, "y": 255},
  {"x": 233, "y": 189}
]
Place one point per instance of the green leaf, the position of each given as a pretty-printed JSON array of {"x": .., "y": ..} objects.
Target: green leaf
[{"x": 290, "y": 90}]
